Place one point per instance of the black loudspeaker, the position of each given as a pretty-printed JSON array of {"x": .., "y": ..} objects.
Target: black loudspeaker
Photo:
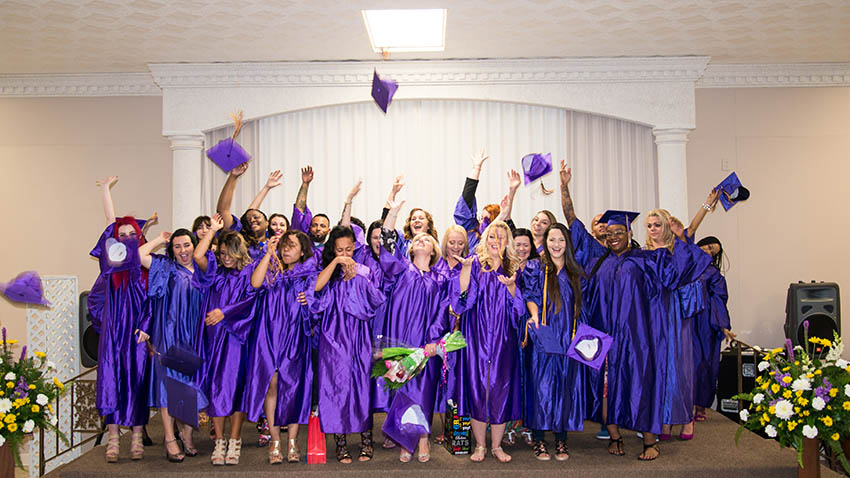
[
  {"x": 88, "y": 337},
  {"x": 727, "y": 381},
  {"x": 817, "y": 302}
]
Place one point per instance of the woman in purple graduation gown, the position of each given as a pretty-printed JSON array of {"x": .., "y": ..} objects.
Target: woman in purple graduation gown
[
  {"x": 116, "y": 302},
  {"x": 280, "y": 372},
  {"x": 554, "y": 384},
  {"x": 486, "y": 296},
  {"x": 229, "y": 318},
  {"x": 345, "y": 302}
]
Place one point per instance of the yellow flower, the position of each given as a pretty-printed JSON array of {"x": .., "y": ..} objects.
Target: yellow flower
[
  {"x": 32, "y": 387},
  {"x": 827, "y": 421},
  {"x": 10, "y": 384},
  {"x": 781, "y": 424},
  {"x": 11, "y": 342},
  {"x": 847, "y": 406},
  {"x": 40, "y": 354},
  {"x": 805, "y": 413},
  {"x": 774, "y": 388},
  {"x": 758, "y": 379},
  {"x": 818, "y": 372},
  {"x": 9, "y": 418},
  {"x": 2, "y": 393},
  {"x": 50, "y": 407},
  {"x": 835, "y": 436},
  {"x": 803, "y": 401},
  {"x": 785, "y": 369},
  {"x": 787, "y": 394},
  {"x": 796, "y": 362},
  {"x": 810, "y": 375},
  {"x": 799, "y": 393},
  {"x": 1, "y": 425},
  {"x": 792, "y": 425},
  {"x": 847, "y": 369},
  {"x": 58, "y": 383},
  {"x": 787, "y": 379},
  {"x": 766, "y": 417},
  {"x": 776, "y": 350},
  {"x": 758, "y": 408},
  {"x": 772, "y": 409},
  {"x": 833, "y": 392},
  {"x": 13, "y": 427},
  {"x": 35, "y": 408},
  {"x": 814, "y": 340},
  {"x": 796, "y": 409},
  {"x": 827, "y": 342},
  {"x": 763, "y": 386}
]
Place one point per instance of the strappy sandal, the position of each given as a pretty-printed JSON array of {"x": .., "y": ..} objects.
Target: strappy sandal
[
  {"x": 405, "y": 456},
  {"x": 263, "y": 433},
  {"x": 234, "y": 452},
  {"x": 509, "y": 438},
  {"x": 113, "y": 448},
  {"x": 293, "y": 455},
  {"x": 505, "y": 458},
  {"x": 478, "y": 457},
  {"x": 540, "y": 451},
  {"x": 367, "y": 446},
  {"x": 562, "y": 453},
  {"x": 137, "y": 448},
  {"x": 275, "y": 455},
  {"x": 617, "y": 444},
  {"x": 189, "y": 451},
  {"x": 526, "y": 436},
  {"x": 342, "y": 454},
  {"x": 217, "y": 457},
  {"x": 424, "y": 457},
  {"x": 176, "y": 457},
  {"x": 643, "y": 457}
]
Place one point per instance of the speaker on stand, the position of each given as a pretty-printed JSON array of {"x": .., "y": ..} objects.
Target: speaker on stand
[
  {"x": 88, "y": 337},
  {"x": 815, "y": 302}
]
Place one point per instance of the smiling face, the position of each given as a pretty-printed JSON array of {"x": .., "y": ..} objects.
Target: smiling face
[
  {"x": 496, "y": 242},
  {"x": 418, "y": 221},
  {"x": 455, "y": 243},
  {"x": 319, "y": 228},
  {"x": 278, "y": 225},
  {"x": 257, "y": 222},
  {"x": 523, "y": 247},
  {"x": 182, "y": 248},
  {"x": 556, "y": 244},
  {"x": 539, "y": 224},
  {"x": 227, "y": 260},
  {"x": 421, "y": 246},
  {"x": 291, "y": 250},
  {"x": 126, "y": 232},
  {"x": 344, "y": 247},
  {"x": 618, "y": 238},
  {"x": 375, "y": 241}
]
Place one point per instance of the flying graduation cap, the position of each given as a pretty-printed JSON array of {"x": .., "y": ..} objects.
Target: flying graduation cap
[
  {"x": 117, "y": 256},
  {"x": 590, "y": 346},
  {"x": 383, "y": 90},
  {"x": 228, "y": 154},
  {"x": 732, "y": 191},
  {"x": 535, "y": 166},
  {"x": 26, "y": 288}
]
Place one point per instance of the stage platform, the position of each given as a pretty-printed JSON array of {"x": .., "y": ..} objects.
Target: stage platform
[{"x": 711, "y": 453}]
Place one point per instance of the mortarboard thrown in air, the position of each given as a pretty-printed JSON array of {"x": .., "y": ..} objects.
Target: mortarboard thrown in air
[
  {"x": 535, "y": 166},
  {"x": 119, "y": 256},
  {"x": 732, "y": 191},
  {"x": 25, "y": 287},
  {"x": 383, "y": 90},
  {"x": 228, "y": 154},
  {"x": 182, "y": 401},
  {"x": 590, "y": 346},
  {"x": 613, "y": 217},
  {"x": 405, "y": 422}
]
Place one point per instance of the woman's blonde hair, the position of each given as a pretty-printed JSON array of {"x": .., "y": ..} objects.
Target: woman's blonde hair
[
  {"x": 449, "y": 230},
  {"x": 236, "y": 248},
  {"x": 510, "y": 260},
  {"x": 435, "y": 253},
  {"x": 666, "y": 233}
]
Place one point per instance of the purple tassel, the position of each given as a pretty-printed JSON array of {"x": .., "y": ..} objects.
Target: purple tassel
[
  {"x": 23, "y": 353},
  {"x": 790, "y": 348},
  {"x": 4, "y": 335}
]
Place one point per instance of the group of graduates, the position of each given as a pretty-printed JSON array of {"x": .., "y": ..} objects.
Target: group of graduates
[{"x": 284, "y": 314}]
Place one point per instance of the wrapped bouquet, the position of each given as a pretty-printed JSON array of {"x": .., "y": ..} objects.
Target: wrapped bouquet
[{"x": 398, "y": 364}]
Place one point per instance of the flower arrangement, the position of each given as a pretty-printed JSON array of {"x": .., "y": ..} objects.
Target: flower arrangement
[
  {"x": 802, "y": 395},
  {"x": 26, "y": 394},
  {"x": 398, "y": 365}
]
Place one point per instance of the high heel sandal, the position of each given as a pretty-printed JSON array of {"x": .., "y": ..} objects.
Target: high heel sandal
[
  {"x": 342, "y": 454},
  {"x": 189, "y": 451},
  {"x": 234, "y": 451},
  {"x": 293, "y": 455},
  {"x": 176, "y": 457},
  {"x": 404, "y": 456},
  {"x": 137, "y": 448},
  {"x": 505, "y": 458},
  {"x": 476, "y": 456},
  {"x": 217, "y": 457},
  {"x": 112, "y": 448},
  {"x": 424, "y": 457},
  {"x": 367, "y": 448},
  {"x": 275, "y": 455}
]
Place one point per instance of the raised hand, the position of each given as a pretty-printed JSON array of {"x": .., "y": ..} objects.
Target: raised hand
[
  {"x": 238, "y": 170},
  {"x": 307, "y": 174},
  {"x": 398, "y": 183},
  {"x": 508, "y": 281},
  {"x": 164, "y": 236},
  {"x": 465, "y": 261},
  {"x": 216, "y": 223},
  {"x": 479, "y": 158},
  {"x": 274, "y": 179},
  {"x": 271, "y": 246},
  {"x": 513, "y": 180},
  {"x": 213, "y": 317},
  {"x": 395, "y": 206},
  {"x": 712, "y": 198},
  {"x": 505, "y": 202},
  {"x": 108, "y": 182},
  {"x": 354, "y": 191},
  {"x": 677, "y": 228},
  {"x": 566, "y": 173}
]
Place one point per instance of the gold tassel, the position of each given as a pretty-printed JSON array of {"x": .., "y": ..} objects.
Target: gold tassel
[
  {"x": 237, "y": 121},
  {"x": 545, "y": 290},
  {"x": 545, "y": 191}
]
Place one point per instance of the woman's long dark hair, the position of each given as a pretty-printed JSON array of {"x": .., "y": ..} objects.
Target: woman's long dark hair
[
  {"x": 533, "y": 254},
  {"x": 328, "y": 253},
  {"x": 250, "y": 239},
  {"x": 717, "y": 260},
  {"x": 180, "y": 232},
  {"x": 573, "y": 269},
  {"x": 303, "y": 240},
  {"x": 269, "y": 231},
  {"x": 375, "y": 225}
]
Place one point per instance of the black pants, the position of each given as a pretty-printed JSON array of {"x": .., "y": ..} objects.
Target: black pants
[{"x": 539, "y": 435}]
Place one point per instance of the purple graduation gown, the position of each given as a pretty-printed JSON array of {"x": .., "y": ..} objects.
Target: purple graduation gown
[
  {"x": 281, "y": 343},
  {"x": 465, "y": 217},
  {"x": 345, "y": 310},
  {"x": 123, "y": 364},
  {"x": 554, "y": 383},
  {"x": 225, "y": 350},
  {"x": 175, "y": 298},
  {"x": 488, "y": 379},
  {"x": 445, "y": 390},
  {"x": 708, "y": 335}
]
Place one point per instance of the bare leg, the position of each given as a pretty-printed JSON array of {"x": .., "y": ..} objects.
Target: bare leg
[
  {"x": 236, "y": 425},
  {"x": 615, "y": 443},
  {"x": 271, "y": 407},
  {"x": 168, "y": 431},
  {"x": 479, "y": 431},
  {"x": 496, "y": 432},
  {"x": 218, "y": 425}
]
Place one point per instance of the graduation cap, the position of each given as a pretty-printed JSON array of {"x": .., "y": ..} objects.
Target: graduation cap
[
  {"x": 383, "y": 91},
  {"x": 548, "y": 338},
  {"x": 181, "y": 359},
  {"x": 26, "y": 288},
  {"x": 535, "y": 166},
  {"x": 228, "y": 154},
  {"x": 590, "y": 346},
  {"x": 731, "y": 191},
  {"x": 182, "y": 401},
  {"x": 612, "y": 217},
  {"x": 117, "y": 256},
  {"x": 405, "y": 422}
]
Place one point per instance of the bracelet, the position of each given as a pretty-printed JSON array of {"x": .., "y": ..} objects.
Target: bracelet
[{"x": 706, "y": 207}]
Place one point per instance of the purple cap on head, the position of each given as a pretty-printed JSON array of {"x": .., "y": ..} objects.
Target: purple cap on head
[
  {"x": 590, "y": 346},
  {"x": 182, "y": 401},
  {"x": 612, "y": 217},
  {"x": 228, "y": 154},
  {"x": 25, "y": 287},
  {"x": 732, "y": 191},
  {"x": 383, "y": 91},
  {"x": 405, "y": 422},
  {"x": 535, "y": 166}
]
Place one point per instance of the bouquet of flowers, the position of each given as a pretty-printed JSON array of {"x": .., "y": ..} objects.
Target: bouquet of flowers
[
  {"x": 25, "y": 395},
  {"x": 398, "y": 365},
  {"x": 800, "y": 395}
]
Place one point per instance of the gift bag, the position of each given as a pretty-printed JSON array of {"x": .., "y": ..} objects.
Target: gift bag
[
  {"x": 458, "y": 431},
  {"x": 316, "y": 451}
]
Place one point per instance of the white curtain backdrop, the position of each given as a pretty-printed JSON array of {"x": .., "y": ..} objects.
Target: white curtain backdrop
[{"x": 431, "y": 142}]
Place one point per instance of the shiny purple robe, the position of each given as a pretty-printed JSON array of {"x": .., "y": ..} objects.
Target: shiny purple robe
[
  {"x": 225, "y": 349},
  {"x": 345, "y": 310},
  {"x": 281, "y": 343},
  {"x": 488, "y": 386},
  {"x": 445, "y": 390},
  {"x": 708, "y": 335},
  {"x": 123, "y": 364}
]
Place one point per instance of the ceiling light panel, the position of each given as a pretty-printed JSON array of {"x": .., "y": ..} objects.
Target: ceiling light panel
[{"x": 406, "y": 30}]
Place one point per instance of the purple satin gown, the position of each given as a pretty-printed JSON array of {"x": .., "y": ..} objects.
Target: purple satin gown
[{"x": 708, "y": 335}]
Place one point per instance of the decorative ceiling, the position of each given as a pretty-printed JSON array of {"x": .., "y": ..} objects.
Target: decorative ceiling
[{"x": 81, "y": 36}]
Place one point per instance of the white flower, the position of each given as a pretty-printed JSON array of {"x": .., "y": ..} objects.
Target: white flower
[
  {"x": 818, "y": 403},
  {"x": 745, "y": 415},
  {"x": 5, "y": 405},
  {"x": 784, "y": 409},
  {"x": 801, "y": 384},
  {"x": 757, "y": 398},
  {"x": 41, "y": 399},
  {"x": 10, "y": 376},
  {"x": 28, "y": 426},
  {"x": 841, "y": 363},
  {"x": 770, "y": 430},
  {"x": 51, "y": 365},
  {"x": 53, "y": 420},
  {"x": 847, "y": 390},
  {"x": 2, "y": 440},
  {"x": 763, "y": 366},
  {"x": 810, "y": 432}
]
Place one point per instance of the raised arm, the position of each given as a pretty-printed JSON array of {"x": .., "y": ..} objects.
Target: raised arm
[
  {"x": 152, "y": 221},
  {"x": 477, "y": 163},
  {"x": 708, "y": 205},
  {"x": 507, "y": 204},
  {"x": 346, "y": 209},
  {"x": 306, "y": 178},
  {"x": 147, "y": 248},
  {"x": 271, "y": 183},
  {"x": 225, "y": 199},
  {"x": 326, "y": 274},
  {"x": 465, "y": 272},
  {"x": 392, "y": 216},
  {"x": 566, "y": 199},
  {"x": 200, "y": 254},
  {"x": 262, "y": 268},
  {"x": 105, "y": 186},
  {"x": 398, "y": 184}
]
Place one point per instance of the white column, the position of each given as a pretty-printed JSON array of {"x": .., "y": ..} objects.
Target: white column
[
  {"x": 187, "y": 152},
  {"x": 672, "y": 171}
]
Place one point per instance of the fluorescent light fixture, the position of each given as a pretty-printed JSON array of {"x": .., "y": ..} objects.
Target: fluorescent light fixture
[{"x": 406, "y": 30}]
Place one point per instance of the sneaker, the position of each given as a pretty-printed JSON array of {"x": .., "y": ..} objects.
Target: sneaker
[{"x": 603, "y": 434}]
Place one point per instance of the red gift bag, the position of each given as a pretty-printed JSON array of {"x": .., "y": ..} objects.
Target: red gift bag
[{"x": 316, "y": 451}]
